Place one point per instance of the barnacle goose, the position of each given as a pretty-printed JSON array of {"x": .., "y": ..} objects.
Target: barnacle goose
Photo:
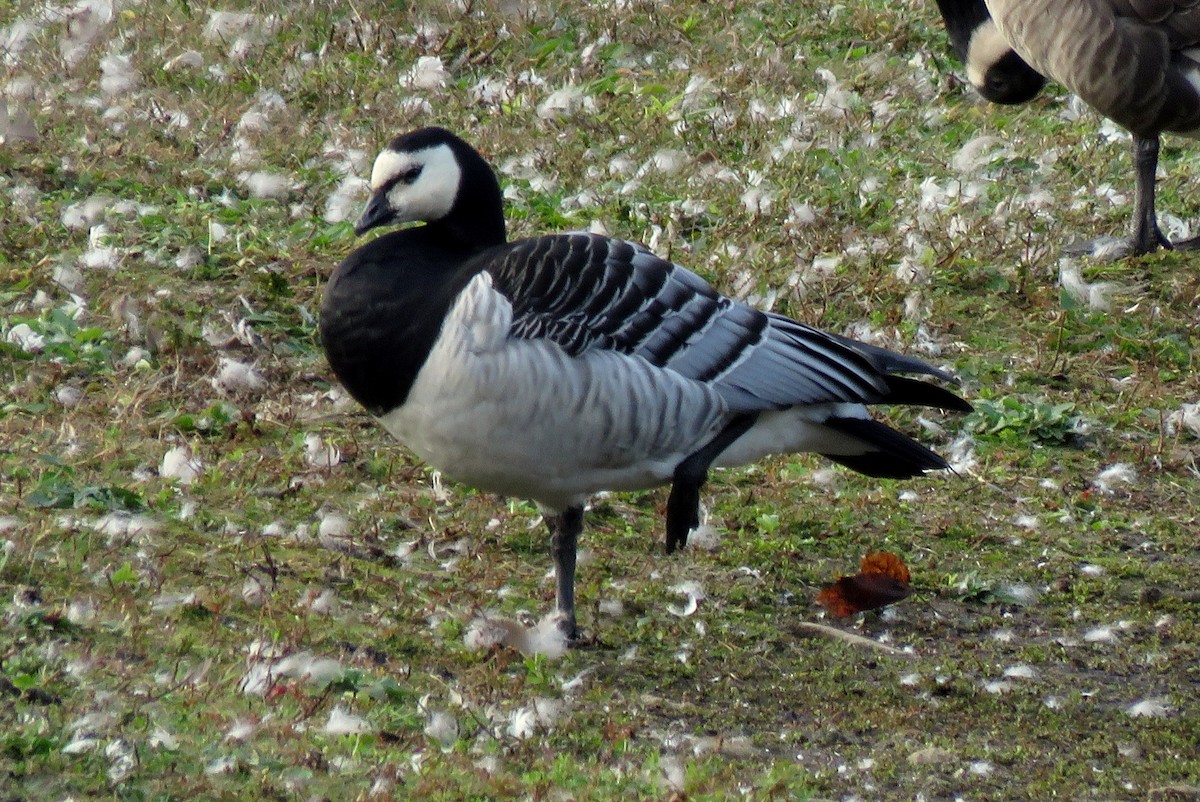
[
  {"x": 993, "y": 67},
  {"x": 1137, "y": 62},
  {"x": 558, "y": 366}
]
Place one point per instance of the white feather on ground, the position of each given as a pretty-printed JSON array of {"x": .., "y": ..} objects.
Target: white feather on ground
[
  {"x": 346, "y": 200},
  {"x": 80, "y": 744},
  {"x": 1096, "y": 295},
  {"x": 181, "y": 465},
  {"x": 16, "y": 126},
  {"x": 82, "y": 215},
  {"x": 706, "y": 536},
  {"x": 15, "y": 38},
  {"x": 265, "y": 185},
  {"x": 566, "y": 102},
  {"x": 961, "y": 454},
  {"x": 319, "y": 453},
  {"x": 540, "y": 714},
  {"x": 442, "y": 727},
  {"x": 321, "y": 602},
  {"x": 238, "y": 378},
  {"x": 1029, "y": 523},
  {"x": 117, "y": 75},
  {"x": 187, "y": 60},
  {"x": 221, "y": 765},
  {"x": 546, "y": 638},
  {"x": 245, "y": 33},
  {"x": 694, "y": 594},
  {"x": 980, "y": 152},
  {"x": 24, "y": 337},
  {"x": 427, "y": 73},
  {"x": 161, "y": 738},
  {"x": 82, "y": 612},
  {"x": 343, "y": 722},
  {"x": 672, "y": 774},
  {"x": 255, "y": 591},
  {"x": 241, "y": 730},
  {"x": 1020, "y": 671},
  {"x": 1152, "y": 707},
  {"x": 167, "y": 602},
  {"x": 100, "y": 255},
  {"x": 1113, "y": 477},
  {"x": 303, "y": 665},
  {"x": 334, "y": 527},
  {"x": 1186, "y": 418},
  {"x": 1101, "y": 634},
  {"x": 85, "y": 21}
]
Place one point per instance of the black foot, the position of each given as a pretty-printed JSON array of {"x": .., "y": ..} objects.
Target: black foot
[
  {"x": 576, "y": 637},
  {"x": 1111, "y": 249},
  {"x": 1192, "y": 244},
  {"x": 570, "y": 631}
]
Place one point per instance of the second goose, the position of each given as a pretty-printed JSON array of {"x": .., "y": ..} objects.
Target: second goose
[{"x": 1134, "y": 61}]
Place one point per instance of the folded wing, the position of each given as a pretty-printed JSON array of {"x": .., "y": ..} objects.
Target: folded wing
[{"x": 585, "y": 292}]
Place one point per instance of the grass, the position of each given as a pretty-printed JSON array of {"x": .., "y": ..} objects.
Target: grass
[{"x": 1049, "y": 648}]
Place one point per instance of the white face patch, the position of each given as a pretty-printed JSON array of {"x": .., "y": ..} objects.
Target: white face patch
[
  {"x": 430, "y": 195},
  {"x": 389, "y": 163},
  {"x": 987, "y": 47}
]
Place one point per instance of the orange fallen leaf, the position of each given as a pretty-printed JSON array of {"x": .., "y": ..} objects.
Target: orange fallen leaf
[
  {"x": 886, "y": 563},
  {"x": 882, "y": 580}
]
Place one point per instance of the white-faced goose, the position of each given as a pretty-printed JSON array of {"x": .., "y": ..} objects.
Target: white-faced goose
[{"x": 558, "y": 366}]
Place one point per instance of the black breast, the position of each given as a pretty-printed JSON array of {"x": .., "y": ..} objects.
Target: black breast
[{"x": 383, "y": 310}]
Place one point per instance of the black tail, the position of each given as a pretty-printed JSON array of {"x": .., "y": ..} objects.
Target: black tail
[{"x": 889, "y": 455}]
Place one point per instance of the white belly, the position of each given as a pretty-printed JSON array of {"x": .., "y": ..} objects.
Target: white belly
[{"x": 793, "y": 430}]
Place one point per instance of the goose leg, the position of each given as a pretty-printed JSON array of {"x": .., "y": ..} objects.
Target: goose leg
[
  {"x": 683, "y": 505},
  {"x": 1145, "y": 236},
  {"x": 564, "y": 538}
]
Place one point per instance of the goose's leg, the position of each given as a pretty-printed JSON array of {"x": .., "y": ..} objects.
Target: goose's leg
[
  {"x": 683, "y": 505},
  {"x": 1144, "y": 234},
  {"x": 564, "y": 538}
]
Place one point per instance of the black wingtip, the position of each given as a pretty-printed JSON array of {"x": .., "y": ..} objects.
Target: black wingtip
[
  {"x": 913, "y": 392},
  {"x": 888, "y": 361}
]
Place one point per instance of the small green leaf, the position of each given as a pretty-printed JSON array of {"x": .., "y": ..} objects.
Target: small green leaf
[{"x": 125, "y": 575}]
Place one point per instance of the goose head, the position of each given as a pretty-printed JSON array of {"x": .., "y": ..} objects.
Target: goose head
[
  {"x": 434, "y": 177},
  {"x": 995, "y": 69}
]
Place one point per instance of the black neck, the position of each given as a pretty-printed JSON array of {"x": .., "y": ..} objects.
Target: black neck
[
  {"x": 962, "y": 17},
  {"x": 381, "y": 316},
  {"x": 477, "y": 219}
]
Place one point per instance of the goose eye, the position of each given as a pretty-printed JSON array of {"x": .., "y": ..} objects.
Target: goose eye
[{"x": 409, "y": 175}]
